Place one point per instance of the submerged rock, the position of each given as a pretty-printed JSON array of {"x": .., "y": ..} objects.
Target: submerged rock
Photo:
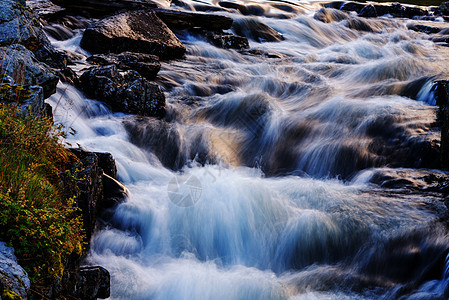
[
  {"x": 256, "y": 30},
  {"x": 329, "y": 15},
  {"x": 227, "y": 41},
  {"x": 137, "y": 31},
  {"x": 21, "y": 64},
  {"x": 146, "y": 65},
  {"x": 14, "y": 280},
  {"x": 125, "y": 91}
]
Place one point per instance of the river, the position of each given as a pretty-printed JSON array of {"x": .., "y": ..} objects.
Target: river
[{"x": 264, "y": 180}]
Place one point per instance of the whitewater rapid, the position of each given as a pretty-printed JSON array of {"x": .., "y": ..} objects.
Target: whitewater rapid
[{"x": 279, "y": 150}]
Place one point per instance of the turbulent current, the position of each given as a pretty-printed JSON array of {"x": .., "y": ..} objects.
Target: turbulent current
[{"x": 267, "y": 177}]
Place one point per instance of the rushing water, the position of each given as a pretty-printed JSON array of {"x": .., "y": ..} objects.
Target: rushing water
[{"x": 276, "y": 152}]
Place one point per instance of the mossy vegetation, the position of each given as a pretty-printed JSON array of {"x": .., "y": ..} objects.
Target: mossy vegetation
[{"x": 37, "y": 215}]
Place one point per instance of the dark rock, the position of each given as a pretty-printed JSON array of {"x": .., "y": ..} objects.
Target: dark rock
[
  {"x": 227, "y": 41},
  {"x": 188, "y": 20},
  {"x": 352, "y": 6},
  {"x": 68, "y": 75},
  {"x": 424, "y": 28},
  {"x": 146, "y": 65},
  {"x": 19, "y": 25},
  {"x": 94, "y": 282},
  {"x": 14, "y": 280},
  {"x": 22, "y": 66},
  {"x": 368, "y": 11},
  {"x": 114, "y": 193},
  {"x": 443, "y": 9},
  {"x": 107, "y": 162},
  {"x": 90, "y": 188},
  {"x": 233, "y": 5},
  {"x": 124, "y": 91},
  {"x": 329, "y": 15},
  {"x": 441, "y": 91},
  {"x": 256, "y": 30},
  {"x": 101, "y": 8},
  {"x": 137, "y": 31}
]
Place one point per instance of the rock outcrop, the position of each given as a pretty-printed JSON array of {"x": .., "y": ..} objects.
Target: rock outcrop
[
  {"x": 137, "y": 31},
  {"x": 19, "y": 25},
  {"x": 256, "y": 30},
  {"x": 23, "y": 67},
  {"x": 123, "y": 91},
  {"x": 14, "y": 282}
]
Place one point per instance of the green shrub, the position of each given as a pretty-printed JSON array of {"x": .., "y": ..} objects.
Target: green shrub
[{"x": 37, "y": 216}]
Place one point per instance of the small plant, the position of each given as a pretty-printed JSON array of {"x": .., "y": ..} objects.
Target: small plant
[{"x": 38, "y": 217}]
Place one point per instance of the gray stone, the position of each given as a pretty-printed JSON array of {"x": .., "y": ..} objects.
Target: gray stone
[
  {"x": 137, "y": 31},
  {"x": 21, "y": 64},
  {"x": 12, "y": 276},
  {"x": 19, "y": 25}
]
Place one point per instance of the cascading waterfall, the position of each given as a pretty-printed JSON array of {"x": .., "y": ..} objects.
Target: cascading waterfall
[{"x": 280, "y": 148}]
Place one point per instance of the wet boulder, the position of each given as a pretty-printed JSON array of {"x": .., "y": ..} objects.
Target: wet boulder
[
  {"x": 227, "y": 40},
  {"x": 14, "y": 282},
  {"x": 124, "y": 91},
  {"x": 23, "y": 67},
  {"x": 256, "y": 30},
  {"x": 136, "y": 31},
  {"x": 188, "y": 20},
  {"x": 329, "y": 15},
  {"x": 146, "y": 65},
  {"x": 368, "y": 11}
]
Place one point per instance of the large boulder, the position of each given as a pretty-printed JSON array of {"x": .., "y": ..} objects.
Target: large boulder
[
  {"x": 146, "y": 65},
  {"x": 19, "y": 25},
  {"x": 136, "y": 31},
  {"x": 123, "y": 91},
  {"x": 14, "y": 282},
  {"x": 22, "y": 65}
]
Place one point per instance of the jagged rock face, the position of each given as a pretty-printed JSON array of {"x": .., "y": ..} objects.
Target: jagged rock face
[
  {"x": 19, "y": 25},
  {"x": 30, "y": 99},
  {"x": 125, "y": 91},
  {"x": 137, "y": 31},
  {"x": 146, "y": 65},
  {"x": 13, "y": 278},
  {"x": 21, "y": 64}
]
